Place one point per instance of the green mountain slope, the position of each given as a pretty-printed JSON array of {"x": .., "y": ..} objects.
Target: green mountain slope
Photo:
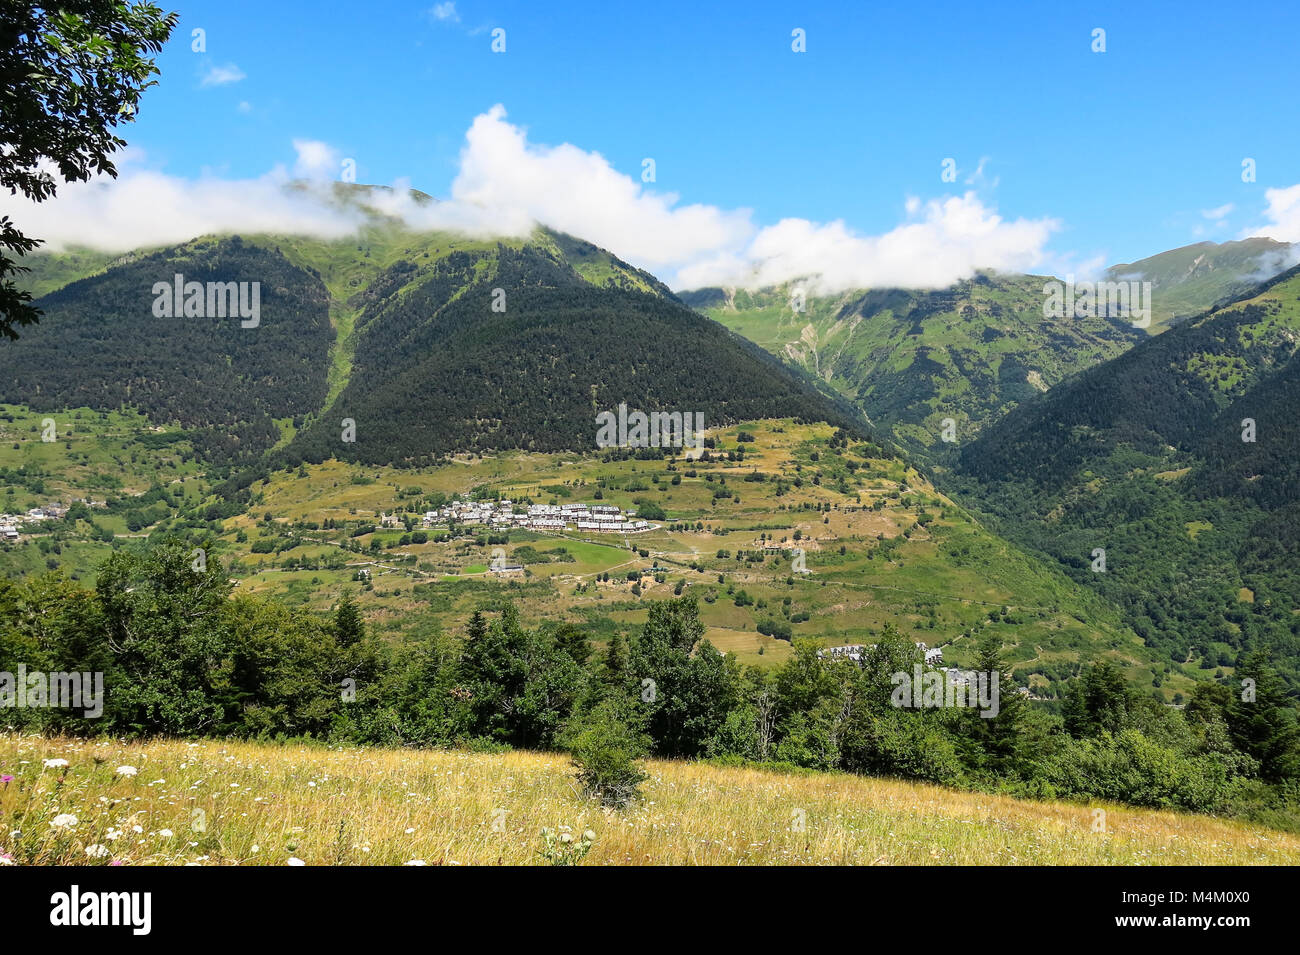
[
  {"x": 1187, "y": 281},
  {"x": 395, "y": 329},
  {"x": 911, "y": 359},
  {"x": 439, "y": 369},
  {"x": 102, "y": 346},
  {"x": 1144, "y": 456}
]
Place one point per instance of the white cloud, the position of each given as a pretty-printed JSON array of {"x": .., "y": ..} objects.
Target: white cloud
[
  {"x": 1282, "y": 213},
  {"x": 945, "y": 240},
  {"x": 145, "y": 208},
  {"x": 1214, "y": 215},
  {"x": 216, "y": 75},
  {"x": 505, "y": 185},
  {"x": 446, "y": 12},
  {"x": 579, "y": 192},
  {"x": 316, "y": 160}
]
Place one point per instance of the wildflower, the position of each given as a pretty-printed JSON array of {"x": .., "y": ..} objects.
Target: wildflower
[
  {"x": 96, "y": 851},
  {"x": 165, "y": 833},
  {"x": 294, "y": 860},
  {"x": 126, "y": 770},
  {"x": 6, "y": 779},
  {"x": 54, "y": 763},
  {"x": 63, "y": 819},
  {"x": 416, "y": 862}
]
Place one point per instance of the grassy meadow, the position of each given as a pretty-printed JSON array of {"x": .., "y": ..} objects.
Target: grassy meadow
[{"x": 228, "y": 803}]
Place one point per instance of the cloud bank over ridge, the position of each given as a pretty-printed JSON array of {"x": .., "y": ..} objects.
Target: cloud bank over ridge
[{"x": 506, "y": 185}]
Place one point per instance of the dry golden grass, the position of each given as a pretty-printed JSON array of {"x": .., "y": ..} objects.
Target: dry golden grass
[{"x": 264, "y": 804}]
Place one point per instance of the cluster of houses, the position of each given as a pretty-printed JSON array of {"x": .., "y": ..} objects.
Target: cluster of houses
[
  {"x": 9, "y": 522},
  {"x": 600, "y": 518},
  {"x": 933, "y": 657},
  {"x": 854, "y": 652}
]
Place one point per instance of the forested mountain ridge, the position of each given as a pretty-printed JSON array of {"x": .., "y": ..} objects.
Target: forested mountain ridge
[
  {"x": 910, "y": 360},
  {"x": 1177, "y": 459},
  {"x": 514, "y": 348},
  {"x": 380, "y": 239},
  {"x": 102, "y": 345},
  {"x": 398, "y": 309}
]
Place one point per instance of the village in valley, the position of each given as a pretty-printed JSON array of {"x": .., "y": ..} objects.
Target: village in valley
[
  {"x": 10, "y": 523},
  {"x": 598, "y": 518},
  {"x": 956, "y": 676}
]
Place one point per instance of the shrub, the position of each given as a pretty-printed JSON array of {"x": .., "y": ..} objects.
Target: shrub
[
  {"x": 737, "y": 737},
  {"x": 906, "y": 745},
  {"x": 605, "y": 750},
  {"x": 1128, "y": 767},
  {"x": 808, "y": 743}
]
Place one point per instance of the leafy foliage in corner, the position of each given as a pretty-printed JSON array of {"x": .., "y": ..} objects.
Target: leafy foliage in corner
[{"x": 70, "y": 72}]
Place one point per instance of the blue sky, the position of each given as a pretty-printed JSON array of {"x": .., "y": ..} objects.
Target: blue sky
[{"x": 1123, "y": 152}]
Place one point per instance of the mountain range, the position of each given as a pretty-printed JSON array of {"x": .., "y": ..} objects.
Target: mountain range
[{"x": 397, "y": 348}]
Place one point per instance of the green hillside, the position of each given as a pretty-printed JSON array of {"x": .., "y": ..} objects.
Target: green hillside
[
  {"x": 1187, "y": 281},
  {"x": 102, "y": 345},
  {"x": 910, "y": 359},
  {"x": 437, "y": 368},
  {"x": 881, "y": 545},
  {"x": 396, "y": 330},
  {"x": 1144, "y": 456}
]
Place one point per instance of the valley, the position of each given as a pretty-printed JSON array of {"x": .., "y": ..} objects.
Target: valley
[
  {"x": 879, "y": 544},
  {"x": 388, "y": 453},
  {"x": 752, "y": 444}
]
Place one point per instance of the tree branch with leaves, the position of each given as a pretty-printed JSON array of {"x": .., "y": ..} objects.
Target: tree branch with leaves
[{"x": 70, "y": 73}]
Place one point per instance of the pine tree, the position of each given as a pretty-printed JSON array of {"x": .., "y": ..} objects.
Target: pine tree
[
  {"x": 349, "y": 628},
  {"x": 1099, "y": 700},
  {"x": 1261, "y": 720},
  {"x": 477, "y": 627},
  {"x": 616, "y": 661},
  {"x": 574, "y": 642},
  {"x": 998, "y": 735}
]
